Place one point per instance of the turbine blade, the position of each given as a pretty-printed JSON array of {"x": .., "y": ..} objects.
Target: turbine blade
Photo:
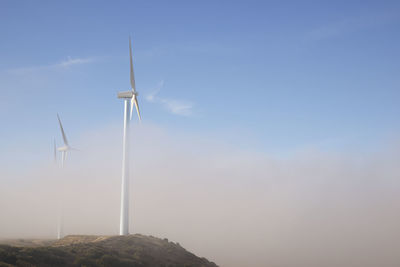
[
  {"x": 137, "y": 108},
  {"x": 132, "y": 99},
  {"x": 62, "y": 131},
  {"x": 131, "y": 65}
]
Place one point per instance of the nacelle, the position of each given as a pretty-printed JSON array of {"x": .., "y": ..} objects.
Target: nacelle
[{"x": 127, "y": 94}]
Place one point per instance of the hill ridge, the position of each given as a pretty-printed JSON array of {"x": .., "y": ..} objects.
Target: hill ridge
[{"x": 91, "y": 250}]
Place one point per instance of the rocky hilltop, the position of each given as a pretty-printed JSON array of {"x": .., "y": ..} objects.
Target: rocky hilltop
[{"x": 132, "y": 250}]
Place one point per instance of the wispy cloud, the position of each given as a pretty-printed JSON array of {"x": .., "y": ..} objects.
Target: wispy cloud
[
  {"x": 350, "y": 25},
  {"x": 73, "y": 61},
  {"x": 64, "y": 64},
  {"x": 152, "y": 96},
  {"x": 174, "y": 106}
]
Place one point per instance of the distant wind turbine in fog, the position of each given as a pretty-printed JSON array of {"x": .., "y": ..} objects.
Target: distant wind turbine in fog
[
  {"x": 130, "y": 100},
  {"x": 64, "y": 150}
]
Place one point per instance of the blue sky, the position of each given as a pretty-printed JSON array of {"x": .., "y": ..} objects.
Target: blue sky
[{"x": 271, "y": 76}]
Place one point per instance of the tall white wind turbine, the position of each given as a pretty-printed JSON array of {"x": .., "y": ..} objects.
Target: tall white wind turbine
[{"x": 130, "y": 100}]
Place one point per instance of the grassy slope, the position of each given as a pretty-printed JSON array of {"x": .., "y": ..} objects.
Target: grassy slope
[{"x": 132, "y": 250}]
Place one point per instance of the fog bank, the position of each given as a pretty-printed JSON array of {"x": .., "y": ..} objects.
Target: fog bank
[{"x": 234, "y": 207}]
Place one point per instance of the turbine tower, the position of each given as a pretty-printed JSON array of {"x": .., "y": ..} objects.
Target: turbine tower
[
  {"x": 59, "y": 215},
  {"x": 130, "y": 100}
]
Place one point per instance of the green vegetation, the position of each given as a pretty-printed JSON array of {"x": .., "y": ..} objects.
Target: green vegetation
[{"x": 132, "y": 250}]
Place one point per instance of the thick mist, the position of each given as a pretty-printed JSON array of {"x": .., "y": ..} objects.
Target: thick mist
[{"x": 234, "y": 207}]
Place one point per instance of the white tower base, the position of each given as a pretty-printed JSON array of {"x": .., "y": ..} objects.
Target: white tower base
[{"x": 124, "y": 219}]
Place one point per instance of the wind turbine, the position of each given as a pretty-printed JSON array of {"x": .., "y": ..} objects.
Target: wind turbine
[
  {"x": 64, "y": 150},
  {"x": 130, "y": 100}
]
